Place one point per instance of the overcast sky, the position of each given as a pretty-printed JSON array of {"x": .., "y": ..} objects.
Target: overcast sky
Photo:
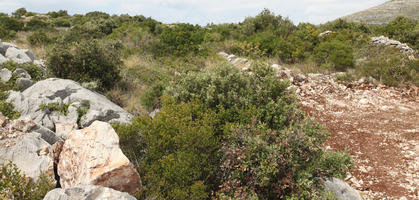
[{"x": 201, "y": 11}]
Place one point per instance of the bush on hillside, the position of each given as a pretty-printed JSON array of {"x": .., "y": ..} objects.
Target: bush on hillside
[
  {"x": 180, "y": 40},
  {"x": 39, "y": 38},
  {"x": 36, "y": 24},
  {"x": 56, "y": 14},
  {"x": 19, "y": 12},
  {"x": 86, "y": 61},
  {"x": 335, "y": 53},
  {"x": 14, "y": 185},
  {"x": 389, "y": 66},
  {"x": 181, "y": 151},
  {"x": 9, "y": 26}
]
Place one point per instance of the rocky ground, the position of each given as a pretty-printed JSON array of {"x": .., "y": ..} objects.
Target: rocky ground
[{"x": 377, "y": 125}]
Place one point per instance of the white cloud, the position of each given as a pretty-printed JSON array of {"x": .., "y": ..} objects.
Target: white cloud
[{"x": 201, "y": 11}]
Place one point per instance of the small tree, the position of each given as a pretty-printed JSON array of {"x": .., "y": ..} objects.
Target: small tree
[{"x": 19, "y": 12}]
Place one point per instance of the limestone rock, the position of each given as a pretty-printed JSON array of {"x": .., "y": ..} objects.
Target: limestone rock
[
  {"x": 24, "y": 83},
  {"x": 341, "y": 189},
  {"x": 92, "y": 156},
  {"x": 4, "y": 46},
  {"x": 63, "y": 129},
  {"x": 90, "y": 192},
  {"x": 62, "y": 91},
  {"x": 388, "y": 42},
  {"x": 20, "y": 56},
  {"x": 5, "y": 75},
  {"x": 22, "y": 73},
  {"x": 3, "y": 59},
  {"x": 24, "y": 146}
]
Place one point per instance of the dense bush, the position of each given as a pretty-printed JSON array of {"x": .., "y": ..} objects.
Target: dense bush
[
  {"x": 56, "y": 14},
  {"x": 395, "y": 69},
  {"x": 179, "y": 40},
  {"x": 9, "y": 26},
  {"x": 14, "y": 185},
  {"x": 19, "y": 12},
  {"x": 260, "y": 163},
  {"x": 39, "y": 38},
  {"x": 36, "y": 24},
  {"x": 181, "y": 151},
  {"x": 86, "y": 61},
  {"x": 335, "y": 53}
]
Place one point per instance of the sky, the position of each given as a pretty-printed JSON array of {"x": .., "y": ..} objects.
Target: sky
[{"x": 201, "y": 11}]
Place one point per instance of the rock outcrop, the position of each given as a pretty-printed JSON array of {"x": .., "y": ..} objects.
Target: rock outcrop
[
  {"x": 11, "y": 52},
  {"x": 341, "y": 189},
  {"x": 394, "y": 43},
  {"x": 92, "y": 156},
  {"x": 240, "y": 62},
  {"x": 65, "y": 93},
  {"x": 27, "y": 145},
  {"x": 90, "y": 192}
]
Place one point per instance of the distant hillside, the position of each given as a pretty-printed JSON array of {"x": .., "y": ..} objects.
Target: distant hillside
[{"x": 386, "y": 12}]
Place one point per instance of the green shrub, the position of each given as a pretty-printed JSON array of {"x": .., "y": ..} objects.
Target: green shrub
[
  {"x": 180, "y": 40},
  {"x": 60, "y": 108},
  {"x": 14, "y": 185},
  {"x": 181, "y": 151},
  {"x": 389, "y": 66},
  {"x": 337, "y": 53},
  {"x": 62, "y": 23},
  {"x": 231, "y": 92},
  {"x": 36, "y": 24},
  {"x": 278, "y": 164},
  {"x": 81, "y": 111},
  {"x": 86, "y": 61},
  {"x": 56, "y": 14},
  {"x": 11, "y": 23},
  {"x": 39, "y": 38},
  {"x": 19, "y": 12}
]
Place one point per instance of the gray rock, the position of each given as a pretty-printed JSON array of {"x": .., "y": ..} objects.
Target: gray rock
[
  {"x": 154, "y": 113},
  {"x": 22, "y": 73},
  {"x": 222, "y": 53},
  {"x": 388, "y": 42},
  {"x": 24, "y": 83},
  {"x": 63, "y": 91},
  {"x": 5, "y": 75},
  {"x": 325, "y": 33},
  {"x": 3, "y": 59},
  {"x": 341, "y": 189},
  {"x": 4, "y": 46},
  {"x": 89, "y": 192},
  {"x": 20, "y": 56},
  {"x": 24, "y": 146}
]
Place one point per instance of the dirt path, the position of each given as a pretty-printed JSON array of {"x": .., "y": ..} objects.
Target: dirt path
[{"x": 377, "y": 125}]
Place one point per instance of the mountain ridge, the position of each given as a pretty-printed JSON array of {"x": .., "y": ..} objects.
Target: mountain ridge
[{"x": 384, "y": 13}]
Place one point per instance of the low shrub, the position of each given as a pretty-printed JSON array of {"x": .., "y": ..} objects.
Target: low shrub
[
  {"x": 336, "y": 53},
  {"x": 14, "y": 185},
  {"x": 36, "y": 24},
  {"x": 87, "y": 61},
  {"x": 39, "y": 38},
  {"x": 60, "y": 108}
]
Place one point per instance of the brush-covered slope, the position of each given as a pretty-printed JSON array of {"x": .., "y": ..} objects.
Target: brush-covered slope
[{"x": 384, "y": 13}]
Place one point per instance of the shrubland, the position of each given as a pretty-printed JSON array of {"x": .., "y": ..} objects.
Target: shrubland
[{"x": 221, "y": 133}]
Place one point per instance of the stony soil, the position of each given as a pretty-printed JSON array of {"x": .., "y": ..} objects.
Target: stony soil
[{"x": 377, "y": 125}]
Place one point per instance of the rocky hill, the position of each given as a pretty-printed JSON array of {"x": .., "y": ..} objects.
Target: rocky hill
[{"x": 384, "y": 13}]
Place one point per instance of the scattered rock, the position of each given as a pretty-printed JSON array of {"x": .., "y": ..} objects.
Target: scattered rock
[
  {"x": 5, "y": 75},
  {"x": 325, "y": 33},
  {"x": 22, "y": 73},
  {"x": 3, "y": 59},
  {"x": 61, "y": 91},
  {"x": 388, "y": 42},
  {"x": 154, "y": 113},
  {"x": 24, "y": 146},
  {"x": 24, "y": 83},
  {"x": 341, "y": 189},
  {"x": 90, "y": 192},
  {"x": 20, "y": 56},
  {"x": 92, "y": 156},
  {"x": 5, "y": 45}
]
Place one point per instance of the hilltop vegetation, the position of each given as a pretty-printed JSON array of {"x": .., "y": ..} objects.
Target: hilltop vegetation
[{"x": 221, "y": 132}]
